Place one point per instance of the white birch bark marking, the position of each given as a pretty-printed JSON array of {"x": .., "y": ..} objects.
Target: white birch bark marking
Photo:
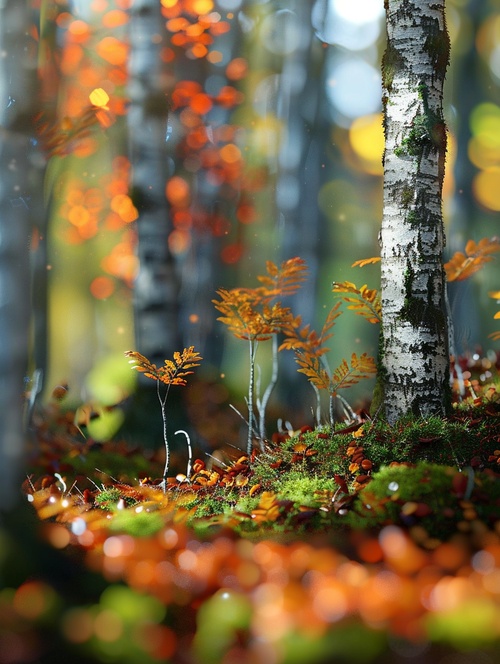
[{"x": 415, "y": 357}]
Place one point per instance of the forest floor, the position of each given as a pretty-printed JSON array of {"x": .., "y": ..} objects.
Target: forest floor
[{"x": 362, "y": 543}]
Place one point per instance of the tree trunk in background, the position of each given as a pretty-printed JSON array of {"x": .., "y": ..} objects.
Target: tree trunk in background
[
  {"x": 414, "y": 348},
  {"x": 156, "y": 287},
  {"x": 17, "y": 92},
  {"x": 466, "y": 89}
]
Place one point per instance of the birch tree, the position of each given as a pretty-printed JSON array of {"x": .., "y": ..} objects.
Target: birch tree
[
  {"x": 17, "y": 88},
  {"x": 414, "y": 345},
  {"x": 156, "y": 287}
]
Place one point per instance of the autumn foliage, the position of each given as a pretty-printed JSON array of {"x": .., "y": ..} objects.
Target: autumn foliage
[{"x": 173, "y": 372}]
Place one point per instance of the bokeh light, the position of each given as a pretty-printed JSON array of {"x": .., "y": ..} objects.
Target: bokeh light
[{"x": 353, "y": 101}]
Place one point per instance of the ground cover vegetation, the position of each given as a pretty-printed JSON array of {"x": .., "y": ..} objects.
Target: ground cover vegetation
[{"x": 293, "y": 549}]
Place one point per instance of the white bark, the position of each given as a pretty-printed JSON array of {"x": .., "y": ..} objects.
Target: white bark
[
  {"x": 414, "y": 349},
  {"x": 156, "y": 287}
]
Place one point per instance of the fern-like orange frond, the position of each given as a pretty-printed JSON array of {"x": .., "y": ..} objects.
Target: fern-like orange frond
[
  {"x": 282, "y": 280},
  {"x": 173, "y": 372},
  {"x": 366, "y": 261},
  {"x": 311, "y": 366},
  {"x": 463, "y": 265},
  {"x": 304, "y": 339},
  {"x": 347, "y": 375},
  {"x": 244, "y": 319},
  {"x": 363, "y": 301},
  {"x": 142, "y": 364}
]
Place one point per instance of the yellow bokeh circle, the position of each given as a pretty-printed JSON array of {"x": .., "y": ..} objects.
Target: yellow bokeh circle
[
  {"x": 366, "y": 136},
  {"x": 486, "y": 188}
]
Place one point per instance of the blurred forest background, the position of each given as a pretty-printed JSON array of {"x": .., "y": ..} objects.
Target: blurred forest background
[{"x": 183, "y": 143}]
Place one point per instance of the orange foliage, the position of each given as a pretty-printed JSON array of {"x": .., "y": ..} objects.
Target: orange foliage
[
  {"x": 102, "y": 287},
  {"x": 113, "y": 50},
  {"x": 177, "y": 192},
  {"x": 463, "y": 265},
  {"x": 78, "y": 31},
  {"x": 248, "y": 312},
  {"x": 114, "y": 18},
  {"x": 364, "y": 301},
  {"x": 122, "y": 262},
  {"x": 237, "y": 69},
  {"x": 71, "y": 59},
  {"x": 209, "y": 151},
  {"x": 173, "y": 372}
]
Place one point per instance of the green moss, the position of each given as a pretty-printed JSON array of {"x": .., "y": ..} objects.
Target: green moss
[
  {"x": 391, "y": 63},
  {"x": 413, "y": 218},
  {"x": 407, "y": 195},
  {"x": 142, "y": 524},
  {"x": 431, "y": 439},
  {"x": 427, "y": 495},
  {"x": 437, "y": 45},
  {"x": 218, "y": 501},
  {"x": 395, "y": 492},
  {"x": 107, "y": 499},
  {"x": 302, "y": 489}
]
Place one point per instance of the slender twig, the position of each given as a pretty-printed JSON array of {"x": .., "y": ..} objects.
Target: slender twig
[
  {"x": 253, "y": 350},
  {"x": 262, "y": 403},
  {"x": 331, "y": 410},
  {"x": 318, "y": 404},
  {"x": 348, "y": 411},
  {"x": 190, "y": 452},
  {"x": 163, "y": 403}
]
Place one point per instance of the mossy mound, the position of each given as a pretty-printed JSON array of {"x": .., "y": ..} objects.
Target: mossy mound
[{"x": 438, "y": 499}]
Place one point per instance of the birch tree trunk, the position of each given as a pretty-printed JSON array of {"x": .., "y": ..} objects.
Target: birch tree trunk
[
  {"x": 156, "y": 287},
  {"x": 17, "y": 90},
  {"x": 414, "y": 346}
]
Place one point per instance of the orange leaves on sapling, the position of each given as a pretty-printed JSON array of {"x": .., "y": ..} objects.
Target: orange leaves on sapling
[
  {"x": 244, "y": 319},
  {"x": 348, "y": 374},
  {"x": 248, "y": 312},
  {"x": 463, "y": 265},
  {"x": 366, "y": 261},
  {"x": 283, "y": 280},
  {"x": 173, "y": 372},
  {"x": 306, "y": 340},
  {"x": 363, "y": 301}
]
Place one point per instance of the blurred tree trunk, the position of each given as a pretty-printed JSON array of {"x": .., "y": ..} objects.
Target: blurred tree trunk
[
  {"x": 414, "y": 348},
  {"x": 156, "y": 288},
  {"x": 466, "y": 89},
  {"x": 18, "y": 87}
]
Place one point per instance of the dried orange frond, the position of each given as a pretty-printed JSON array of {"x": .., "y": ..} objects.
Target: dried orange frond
[
  {"x": 173, "y": 372},
  {"x": 366, "y": 261},
  {"x": 364, "y": 301},
  {"x": 306, "y": 340},
  {"x": 463, "y": 265},
  {"x": 240, "y": 314},
  {"x": 347, "y": 375},
  {"x": 311, "y": 366},
  {"x": 282, "y": 280},
  {"x": 142, "y": 364}
]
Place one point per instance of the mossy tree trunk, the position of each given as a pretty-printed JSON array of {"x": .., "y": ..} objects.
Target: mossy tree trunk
[
  {"x": 156, "y": 289},
  {"x": 414, "y": 347}
]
